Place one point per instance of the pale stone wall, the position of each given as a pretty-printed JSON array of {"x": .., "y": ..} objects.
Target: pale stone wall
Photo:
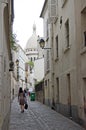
[
  {"x": 67, "y": 75},
  {"x": 5, "y": 86},
  {"x": 81, "y": 58},
  {"x": 65, "y": 64},
  {"x": 39, "y": 69},
  {"x": 71, "y": 60}
]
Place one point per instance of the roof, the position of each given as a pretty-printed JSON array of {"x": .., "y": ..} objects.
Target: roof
[
  {"x": 32, "y": 42},
  {"x": 41, "y": 15}
]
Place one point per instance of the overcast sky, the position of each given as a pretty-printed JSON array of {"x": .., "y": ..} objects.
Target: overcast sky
[{"x": 26, "y": 13}]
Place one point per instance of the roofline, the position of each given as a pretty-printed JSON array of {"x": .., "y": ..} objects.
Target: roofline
[
  {"x": 19, "y": 46},
  {"x": 43, "y": 8}
]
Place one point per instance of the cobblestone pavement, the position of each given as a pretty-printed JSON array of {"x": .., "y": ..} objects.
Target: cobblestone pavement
[{"x": 39, "y": 117}]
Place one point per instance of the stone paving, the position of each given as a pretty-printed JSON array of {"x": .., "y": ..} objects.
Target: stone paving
[{"x": 39, "y": 117}]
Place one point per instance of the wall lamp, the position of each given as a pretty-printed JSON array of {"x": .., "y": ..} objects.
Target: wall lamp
[
  {"x": 42, "y": 44},
  {"x": 17, "y": 62}
]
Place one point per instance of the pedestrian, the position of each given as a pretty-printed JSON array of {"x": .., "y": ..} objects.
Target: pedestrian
[{"x": 21, "y": 99}]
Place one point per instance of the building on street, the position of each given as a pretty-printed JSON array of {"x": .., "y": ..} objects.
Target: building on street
[
  {"x": 22, "y": 61},
  {"x": 65, "y": 63},
  {"x": 6, "y": 20}
]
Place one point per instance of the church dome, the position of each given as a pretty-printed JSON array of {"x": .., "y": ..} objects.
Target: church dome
[{"x": 32, "y": 42}]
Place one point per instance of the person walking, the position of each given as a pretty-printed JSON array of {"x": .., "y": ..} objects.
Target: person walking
[{"x": 21, "y": 99}]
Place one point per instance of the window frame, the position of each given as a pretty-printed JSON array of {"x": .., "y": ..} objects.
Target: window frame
[
  {"x": 85, "y": 38},
  {"x": 67, "y": 33},
  {"x": 56, "y": 40}
]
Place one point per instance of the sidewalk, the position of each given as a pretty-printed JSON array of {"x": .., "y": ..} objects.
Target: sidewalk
[{"x": 39, "y": 117}]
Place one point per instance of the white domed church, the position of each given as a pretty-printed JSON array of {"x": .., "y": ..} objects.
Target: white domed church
[
  {"x": 35, "y": 55},
  {"x": 32, "y": 46}
]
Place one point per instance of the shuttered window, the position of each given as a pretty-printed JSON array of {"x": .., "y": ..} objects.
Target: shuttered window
[
  {"x": 85, "y": 38},
  {"x": 56, "y": 46},
  {"x": 67, "y": 33},
  {"x": 53, "y": 9},
  {"x": 48, "y": 66}
]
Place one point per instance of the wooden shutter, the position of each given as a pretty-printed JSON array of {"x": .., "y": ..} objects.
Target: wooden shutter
[{"x": 52, "y": 7}]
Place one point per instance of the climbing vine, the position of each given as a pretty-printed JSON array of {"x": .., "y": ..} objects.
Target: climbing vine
[{"x": 13, "y": 41}]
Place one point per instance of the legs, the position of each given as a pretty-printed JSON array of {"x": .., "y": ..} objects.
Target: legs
[{"x": 22, "y": 108}]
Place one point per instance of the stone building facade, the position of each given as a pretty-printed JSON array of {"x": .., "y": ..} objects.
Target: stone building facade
[
  {"x": 65, "y": 81},
  {"x": 23, "y": 59},
  {"x": 6, "y": 18},
  {"x": 20, "y": 73}
]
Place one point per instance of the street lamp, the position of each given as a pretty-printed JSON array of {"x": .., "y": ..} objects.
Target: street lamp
[{"x": 42, "y": 44}]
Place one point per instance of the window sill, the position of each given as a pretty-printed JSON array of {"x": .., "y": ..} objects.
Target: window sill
[
  {"x": 66, "y": 49},
  {"x": 55, "y": 20},
  {"x": 83, "y": 50}
]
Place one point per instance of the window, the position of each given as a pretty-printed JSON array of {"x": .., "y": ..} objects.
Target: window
[
  {"x": 53, "y": 10},
  {"x": 69, "y": 93},
  {"x": 34, "y": 58},
  {"x": 45, "y": 82},
  {"x": 47, "y": 31},
  {"x": 69, "y": 89},
  {"x": 84, "y": 94},
  {"x": 85, "y": 38},
  {"x": 31, "y": 58},
  {"x": 4, "y": 64},
  {"x": 67, "y": 33},
  {"x": 57, "y": 85},
  {"x": 48, "y": 90},
  {"x": 47, "y": 60},
  {"x": 83, "y": 29},
  {"x": 56, "y": 46}
]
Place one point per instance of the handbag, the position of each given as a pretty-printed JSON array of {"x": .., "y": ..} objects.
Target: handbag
[{"x": 26, "y": 106}]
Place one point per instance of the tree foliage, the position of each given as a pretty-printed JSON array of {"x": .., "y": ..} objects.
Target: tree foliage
[
  {"x": 31, "y": 64},
  {"x": 13, "y": 41}
]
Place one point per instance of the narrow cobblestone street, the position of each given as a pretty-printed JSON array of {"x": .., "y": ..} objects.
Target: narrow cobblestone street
[{"x": 39, "y": 117}]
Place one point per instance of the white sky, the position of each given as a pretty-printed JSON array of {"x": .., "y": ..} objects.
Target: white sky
[{"x": 26, "y": 13}]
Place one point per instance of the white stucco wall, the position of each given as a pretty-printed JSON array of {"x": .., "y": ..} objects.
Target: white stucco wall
[
  {"x": 22, "y": 60},
  {"x": 39, "y": 69}
]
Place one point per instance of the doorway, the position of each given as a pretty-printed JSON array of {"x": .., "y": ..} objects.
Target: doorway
[{"x": 69, "y": 95}]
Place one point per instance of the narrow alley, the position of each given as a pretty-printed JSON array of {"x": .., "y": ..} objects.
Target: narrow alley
[{"x": 39, "y": 117}]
